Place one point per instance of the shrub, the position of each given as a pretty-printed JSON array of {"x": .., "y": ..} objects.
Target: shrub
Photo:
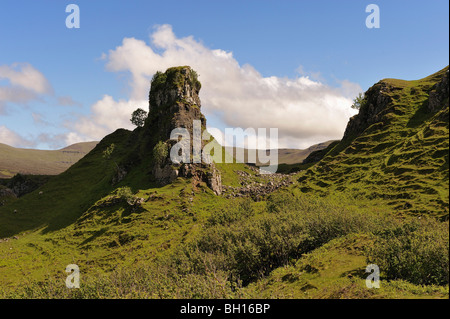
[
  {"x": 156, "y": 280},
  {"x": 417, "y": 251},
  {"x": 126, "y": 194},
  {"x": 160, "y": 152},
  {"x": 358, "y": 102},
  {"x": 138, "y": 117},
  {"x": 242, "y": 210},
  {"x": 252, "y": 247},
  {"x": 159, "y": 78}
]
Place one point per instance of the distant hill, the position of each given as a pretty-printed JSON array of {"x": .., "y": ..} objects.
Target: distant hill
[
  {"x": 396, "y": 149},
  {"x": 44, "y": 162},
  {"x": 285, "y": 155},
  {"x": 40, "y": 162}
]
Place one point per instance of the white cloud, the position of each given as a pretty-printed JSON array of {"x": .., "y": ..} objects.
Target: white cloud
[
  {"x": 51, "y": 141},
  {"x": 67, "y": 101},
  {"x": 106, "y": 116},
  {"x": 26, "y": 76},
  {"x": 24, "y": 83},
  {"x": 305, "y": 110},
  {"x": 11, "y": 138},
  {"x": 73, "y": 138}
]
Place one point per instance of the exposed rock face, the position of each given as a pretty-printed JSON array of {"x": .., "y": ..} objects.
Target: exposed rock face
[
  {"x": 373, "y": 110},
  {"x": 121, "y": 173},
  {"x": 439, "y": 94},
  {"x": 257, "y": 190},
  {"x": 21, "y": 185},
  {"x": 207, "y": 173},
  {"x": 174, "y": 103},
  {"x": 6, "y": 193}
]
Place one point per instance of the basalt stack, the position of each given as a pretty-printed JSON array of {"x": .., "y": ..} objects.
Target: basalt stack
[{"x": 174, "y": 103}]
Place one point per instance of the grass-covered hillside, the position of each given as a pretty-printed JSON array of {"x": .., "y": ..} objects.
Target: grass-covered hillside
[
  {"x": 305, "y": 235},
  {"x": 396, "y": 149},
  {"x": 40, "y": 162}
]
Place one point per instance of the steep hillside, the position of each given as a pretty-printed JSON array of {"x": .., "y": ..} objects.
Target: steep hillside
[
  {"x": 40, "y": 162},
  {"x": 113, "y": 209},
  {"x": 396, "y": 149},
  {"x": 134, "y": 162},
  {"x": 139, "y": 225}
]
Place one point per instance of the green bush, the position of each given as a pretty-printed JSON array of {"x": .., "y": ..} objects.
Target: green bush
[
  {"x": 138, "y": 117},
  {"x": 160, "y": 152},
  {"x": 126, "y": 194},
  {"x": 242, "y": 210},
  {"x": 417, "y": 251},
  {"x": 252, "y": 247},
  {"x": 158, "y": 79},
  {"x": 157, "y": 280},
  {"x": 359, "y": 101}
]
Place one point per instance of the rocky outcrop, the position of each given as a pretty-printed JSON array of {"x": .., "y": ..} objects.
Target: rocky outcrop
[
  {"x": 120, "y": 174},
  {"x": 23, "y": 184},
  {"x": 165, "y": 174},
  {"x": 378, "y": 102},
  {"x": 372, "y": 111},
  {"x": 174, "y": 103},
  {"x": 5, "y": 194},
  {"x": 250, "y": 187},
  {"x": 207, "y": 173},
  {"x": 438, "y": 97}
]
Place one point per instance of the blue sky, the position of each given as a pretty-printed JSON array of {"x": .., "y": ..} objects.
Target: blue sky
[{"x": 325, "y": 42}]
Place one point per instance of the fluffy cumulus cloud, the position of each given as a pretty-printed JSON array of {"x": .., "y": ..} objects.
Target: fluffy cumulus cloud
[
  {"x": 21, "y": 83},
  {"x": 304, "y": 110},
  {"x": 106, "y": 116},
  {"x": 11, "y": 138}
]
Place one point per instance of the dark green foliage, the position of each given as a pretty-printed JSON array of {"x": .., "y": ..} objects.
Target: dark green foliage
[
  {"x": 417, "y": 251},
  {"x": 224, "y": 217},
  {"x": 138, "y": 117},
  {"x": 107, "y": 153},
  {"x": 138, "y": 282},
  {"x": 248, "y": 247},
  {"x": 159, "y": 78},
  {"x": 125, "y": 194},
  {"x": 358, "y": 102},
  {"x": 160, "y": 152}
]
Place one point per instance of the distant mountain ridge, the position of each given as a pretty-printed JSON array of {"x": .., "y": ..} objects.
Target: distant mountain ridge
[
  {"x": 40, "y": 162},
  {"x": 53, "y": 162},
  {"x": 285, "y": 155}
]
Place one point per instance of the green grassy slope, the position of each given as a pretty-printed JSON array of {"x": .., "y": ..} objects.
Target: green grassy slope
[
  {"x": 134, "y": 238},
  {"x": 337, "y": 271},
  {"x": 400, "y": 157},
  {"x": 79, "y": 217},
  {"x": 40, "y": 162},
  {"x": 65, "y": 197}
]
